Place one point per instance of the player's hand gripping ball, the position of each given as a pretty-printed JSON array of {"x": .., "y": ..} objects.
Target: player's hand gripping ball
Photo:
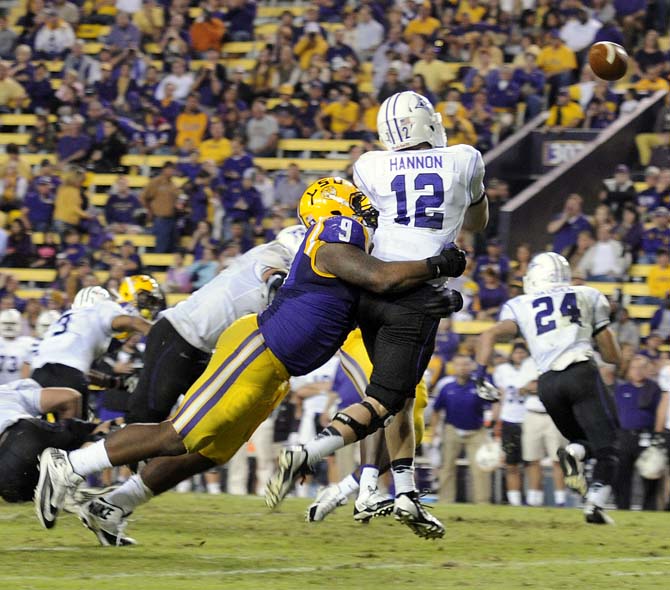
[{"x": 608, "y": 61}]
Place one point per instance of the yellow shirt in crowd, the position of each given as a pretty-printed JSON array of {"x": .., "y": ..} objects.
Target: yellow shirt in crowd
[
  {"x": 658, "y": 281},
  {"x": 571, "y": 115},
  {"x": 215, "y": 149},
  {"x": 190, "y": 126},
  {"x": 554, "y": 60},
  {"x": 342, "y": 117},
  {"x": 418, "y": 26}
]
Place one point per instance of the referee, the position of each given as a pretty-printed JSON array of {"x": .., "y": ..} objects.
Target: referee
[{"x": 641, "y": 407}]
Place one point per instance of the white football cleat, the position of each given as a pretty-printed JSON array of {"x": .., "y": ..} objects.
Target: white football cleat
[
  {"x": 106, "y": 521},
  {"x": 572, "y": 473},
  {"x": 409, "y": 511},
  {"x": 596, "y": 515},
  {"x": 292, "y": 465},
  {"x": 325, "y": 502},
  {"x": 57, "y": 480},
  {"x": 371, "y": 505}
]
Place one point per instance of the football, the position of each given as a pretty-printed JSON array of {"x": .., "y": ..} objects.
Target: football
[{"x": 608, "y": 60}]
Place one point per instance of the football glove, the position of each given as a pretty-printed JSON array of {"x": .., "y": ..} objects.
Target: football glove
[
  {"x": 274, "y": 281},
  {"x": 658, "y": 440},
  {"x": 443, "y": 302},
  {"x": 485, "y": 389},
  {"x": 448, "y": 263}
]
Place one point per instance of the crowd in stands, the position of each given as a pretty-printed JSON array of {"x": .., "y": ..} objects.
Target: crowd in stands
[{"x": 161, "y": 78}]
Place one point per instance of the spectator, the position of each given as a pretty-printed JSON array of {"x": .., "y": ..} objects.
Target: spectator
[
  {"x": 23, "y": 68},
  {"x": 566, "y": 113},
  {"x": 149, "y": 20},
  {"x": 391, "y": 84},
  {"x": 153, "y": 136},
  {"x": 630, "y": 230},
  {"x": 463, "y": 427},
  {"x": 191, "y": 124},
  {"x": 129, "y": 258},
  {"x": 369, "y": 34},
  {"x": 424, "y": 24},
  {"x": 73, "y": 249},
  {"x": 520, "y": 263},
  {"x": 180, "y": 78},
  {"x": 618, "y": 191},
  {"x": 648, "y": 198},
  {"x": 568, "y": 224},
  {"x": 342, "y": 116},
  {"x": 46, "y": 252},
  {"x": 650, "y": 54},
  {"x": 13, "y": 188},
  {"x": 55, "y": 37},
  {"x": 492, "y": 294},
  {"x": 658, "y": 277},
  {"x": 68, "y": 11},
  {"x": 69, "y": 205},
  {"x": 338, "y": 49},
  {"x": 160, "y": 198},
  {"x": 576, "y": 252},
  {"x": 12, "y": 94},
  {"x": 107, "y": 153},
  {"x": 660, "y": 135},
  {"x": 178, "y": 278},
  {"x": 19, "y": 250},
  {"x": 217, "y": 147},
  {"x": 557, "y": 61},
  {"x": 310, "y": 44},
  {"x": 38, "y": 206},
  {"x": 392, "y": 48},
  {"x": 204, "y": 270},
  {"x": 242, "y": 203},
  {"x": 7, "y": 39},
  {"x": 240, "y": 18},
  {"x": 435, "y": 72},
  {"x": 238, "y": 163},
  {"x": 73, "y": 145},
  {"x": 262, "y": 131},
  {"x": 579, "y": 31},
  {"x": 642, "y": 409},
  {"x": 625, "y": 329},
  {"x": 124, "y": 33},
  {"x": 605, "y": 260},
  {"x": 207, "y": 32},
  {"x": 201, "y": 239},
  {"x": 656, "y": 237},
  {"x": 494, "y": 258},
  {"x": 41, "y": 93},
  {"x": 660, "y": 321},
  {"x": 122, "y": 208},
  {"x": 289, "y": 188},
  {"x": 651, "y": 81}
]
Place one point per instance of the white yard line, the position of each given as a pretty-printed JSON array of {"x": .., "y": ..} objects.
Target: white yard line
[{"x": 352, "y": 566}]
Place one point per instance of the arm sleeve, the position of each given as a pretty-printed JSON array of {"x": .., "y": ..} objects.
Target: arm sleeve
[
  {"x": 507, "y": 313},
  {"x": 107, "y": 311},
  {"x": 476, "y": 179},
  {"x": 601, "y": 311}
]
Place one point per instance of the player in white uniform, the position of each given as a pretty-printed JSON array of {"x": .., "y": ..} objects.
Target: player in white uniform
[
  {"x": 425, "y": 193},
  {"x": 180, "y": 343},
  {"x": 80, "y": 336},
  {"x": 15, "y": 350},
  {"x": 559, "y": 323}
]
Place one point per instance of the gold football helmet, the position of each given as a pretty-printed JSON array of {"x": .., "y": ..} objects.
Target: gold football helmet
[
  {"x": 332, "y": 196},
  {"x": 143, "y": 293}
]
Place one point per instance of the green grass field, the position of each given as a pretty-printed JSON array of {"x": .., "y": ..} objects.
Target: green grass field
[{"x": 203, "y": 542}]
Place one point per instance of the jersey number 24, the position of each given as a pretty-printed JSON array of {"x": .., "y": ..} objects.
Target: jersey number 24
[
  {"x": 421, "y": 218},
  {"x": 545, "y": 307}
]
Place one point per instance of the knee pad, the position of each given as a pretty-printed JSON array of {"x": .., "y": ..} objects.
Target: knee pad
[
  {"x": 607, "y": 464},
  {"x": 393, "y": 401},
  {"x": 362, "y": 430}
]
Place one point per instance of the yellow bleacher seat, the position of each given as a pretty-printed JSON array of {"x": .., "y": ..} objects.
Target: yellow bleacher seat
[
  {"x": 54, "y": 66},
  {"x": 241, "y": 47},
  {"x": 38, "y": 238},
  {"x": 93, "y": 31},
  {"x": 21, "y": 120},
  {"x": 31, "y": 293},
  {"x": 645, "y": 329},
  {"x": 305, "y": 164},
  {"x": 157, "y": 259},
  {"x": 635, "y": 289},
  {"x": 17, "y": 138},
  {"x": 664, "y": 43},
  {"x": 247, "y": 64},
  {"x": 153, "y": 49},
  {"x": 642, "y": 312},
  {"x": 93, "y": 48},
  {"x": 473, "y": 327},
  {"x": 266, "y": 30},
  {"x": 269, "y": 12},
  {"x": 640, "y": 270},
  {"x": 606, "y": 288},
  {"x": 32, "y": 159},
  {"x": 173, "y": 298},
  {"x": 151, "y": 161},
  {"x": 366, "y": 88},
  {"x": 139, "y": 240},
  {"x": 318, "y": 145},
  {"x": 32, "y": 275},
  {"x": 273, "y": 102},
  {"x": 55, "y": 83},
  {"x": 99, "y": 199},
  {"x": 640, "y": 186}
]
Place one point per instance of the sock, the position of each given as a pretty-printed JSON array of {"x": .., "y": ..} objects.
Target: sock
[
  {"x": 369, "y": 476},
  {"x": 130, "y": 495},
  {"x": 598, "y": 494},
  {"x": 514, "y": 497},
  {"x": 327, "y": 442},
  {"x": 90, "y": 460},
  {"x": 559, "y": 497},
  {"x": 349, "y": 485},
  {"x": 577, "y": 451},
  {"x": 184, "y": 487},
  {"x": 213, "y": 487},
  {"x": 403, "y": 475},
  {"x": 535, "y": 497}
]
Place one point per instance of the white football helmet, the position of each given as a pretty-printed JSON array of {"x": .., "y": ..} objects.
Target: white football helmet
[
  {"x": 89, "y": 296},
  {"x": 488, "y": 456},
  {"x": 545, "y": 271},
  {"x": 652, "y": 463},
  {"x": 10, "y": 323},
  {"x": 44, "y": 321},
  {"x": 407, "y": 119}
]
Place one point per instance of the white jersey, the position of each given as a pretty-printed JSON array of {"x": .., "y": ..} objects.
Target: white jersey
[
  {"x": 13, "y": 353},
  {"x": 558, "y": 324},
  {"x": 79, "y": 336},
  {"x": 19, "y": 399},
  {"x": 315, "y": 404},
  {"x": 421, "y": 195},
  {"x": 237, "y": 291},
  {"x": 510, "y": 379}
]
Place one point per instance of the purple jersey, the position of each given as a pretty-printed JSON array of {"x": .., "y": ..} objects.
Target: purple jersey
[{"x": 313, "y": 312}]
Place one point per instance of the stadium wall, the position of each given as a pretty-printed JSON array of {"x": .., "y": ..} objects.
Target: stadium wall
[{"x": 524, "y": 218}]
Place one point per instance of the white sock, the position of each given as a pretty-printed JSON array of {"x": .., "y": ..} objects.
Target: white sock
[
  {"x": 369, "y": 477},
  {"x": 323, "y": 445},
  {"x": 577, "y": 451},
  {"x": 184, "y": 487},
  {"x": 559, "y": 497},
  {"x": 213, "y": 487},
  {"x": 599, "y": 494},
  {"x": 535, "y": 497},
  {"x": 514, "y": 497},
  {"x": 349, "y": 485},
  {"x": 130, "y": 495},
  {"x": 90, "y": 459},
  {"x": 403, "y": 476}
]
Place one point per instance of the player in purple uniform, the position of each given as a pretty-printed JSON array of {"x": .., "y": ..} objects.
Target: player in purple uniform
[{"x": 246, "y": 378}]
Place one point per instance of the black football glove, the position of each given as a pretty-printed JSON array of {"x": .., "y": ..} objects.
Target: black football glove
[
  {"x": 275, "y": 280},
  {"x": 444, "y": 302},
  {"x": 448, "y": 263}
]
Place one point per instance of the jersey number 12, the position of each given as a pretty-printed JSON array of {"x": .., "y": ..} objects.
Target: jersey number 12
[
  {"x": 421, "y": 182},
  {"x": 569, "y": 308}
]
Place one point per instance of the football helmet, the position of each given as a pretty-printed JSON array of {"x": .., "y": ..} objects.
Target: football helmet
[
  {"x": 10, "y": 323},
  {"x": 652, "y": 462},
  {"x": 545, "y": 271},
  {"x": 44, "y": 321},
  {"x": 89, "y": 296},
  {"x": 332, "y": 196},
  {"x": 407, "y": 119},
  {"x": 144, "y": 294},
  {"x": 488, "y": 456}
]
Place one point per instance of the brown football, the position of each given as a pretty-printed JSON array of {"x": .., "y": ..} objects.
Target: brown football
[{"x": 608, "y": 60}]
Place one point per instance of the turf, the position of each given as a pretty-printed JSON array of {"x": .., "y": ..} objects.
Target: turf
[{"x": 203, "y": 542}]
